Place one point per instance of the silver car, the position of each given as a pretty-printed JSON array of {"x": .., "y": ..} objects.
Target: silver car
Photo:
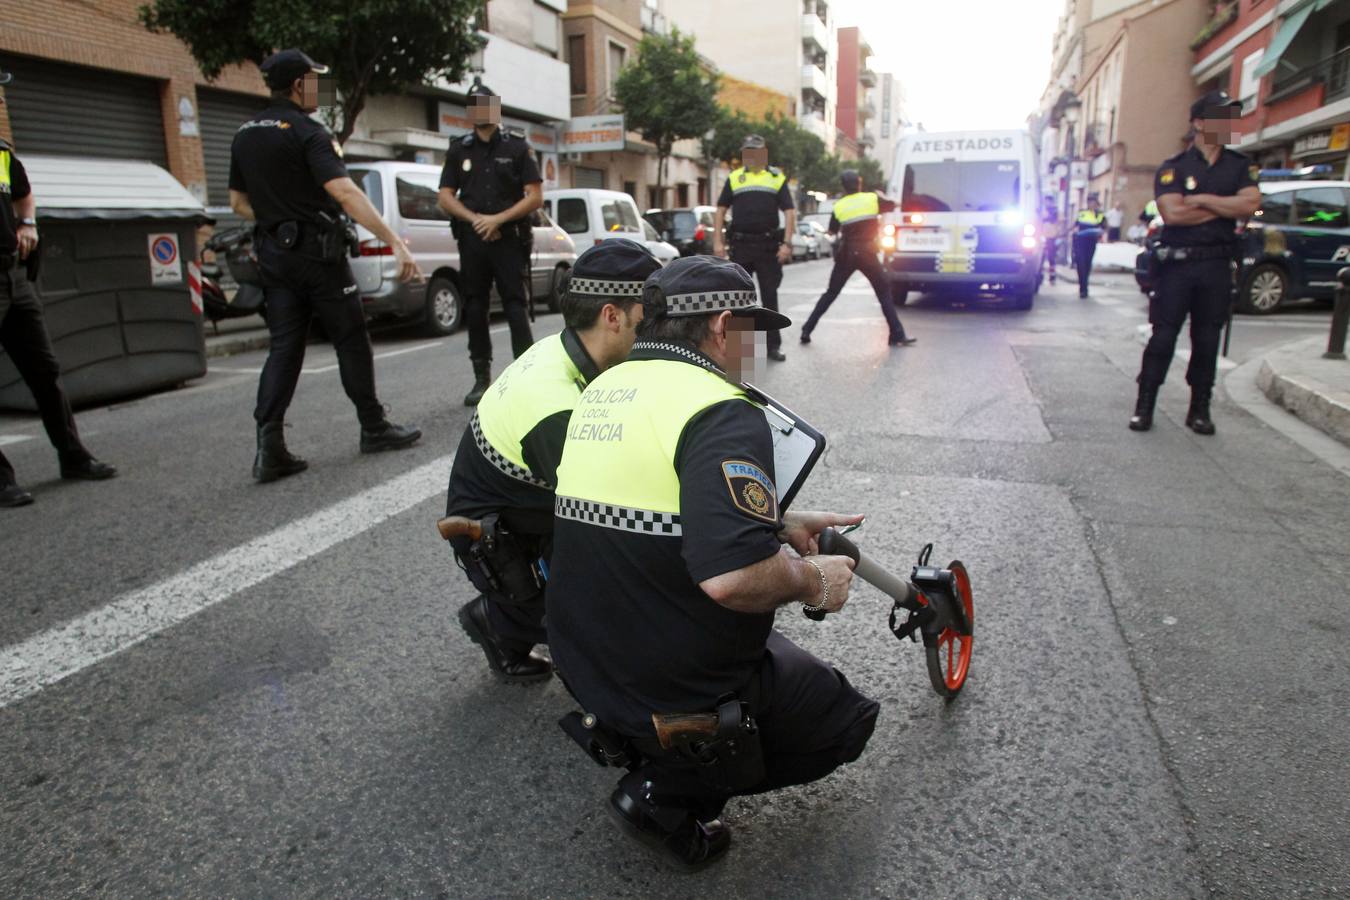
[{"x": 405, "y": 195}]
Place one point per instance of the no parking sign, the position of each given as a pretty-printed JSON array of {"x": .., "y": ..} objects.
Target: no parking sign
[{"x": 165, "y": 267}]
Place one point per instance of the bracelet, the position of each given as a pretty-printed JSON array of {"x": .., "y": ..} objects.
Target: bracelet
[{"x": 824, "y": 587}]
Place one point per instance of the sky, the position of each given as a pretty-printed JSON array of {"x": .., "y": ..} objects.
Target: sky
[{"x": 964, "y": 64}]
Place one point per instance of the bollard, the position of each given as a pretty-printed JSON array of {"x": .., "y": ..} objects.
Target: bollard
[{"x": 1340, "y": 316}]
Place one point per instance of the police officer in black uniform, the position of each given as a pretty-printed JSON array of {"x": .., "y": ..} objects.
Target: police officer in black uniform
[
  {"x": 23, "y": 334},
  {"x": 490, "y": 185},
  {"x": 1201, "y": 193},
  {"x": 507, "y": 464},
  {"x": 756, "y": 193},
  {"x": 287, "y": 174}
]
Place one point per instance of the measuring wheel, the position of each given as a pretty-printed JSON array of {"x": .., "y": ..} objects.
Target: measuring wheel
[{"x": 949, "y": 650}]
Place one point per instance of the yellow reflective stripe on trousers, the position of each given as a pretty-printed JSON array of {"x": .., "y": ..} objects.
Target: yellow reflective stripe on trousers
[
  {"x": 856, "y": 206},
  {"x": 544, "y": 381}
]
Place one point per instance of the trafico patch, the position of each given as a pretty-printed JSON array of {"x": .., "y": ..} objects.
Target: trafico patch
[
  {"x": 752, "y": 491},
  {"x": 1167, "y": 176}
]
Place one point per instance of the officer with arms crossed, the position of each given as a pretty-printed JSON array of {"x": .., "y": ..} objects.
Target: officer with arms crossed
[
  {"x": 507, "y": 461},
  {"x": 287, "y": 174},
  {"x": 490, "y": 185},
  {"x": 23, "y": 334},
  {"x": 756, "y": 193},
  {"x": 855, "y": 219},
  {"x": 668, "y": 570},
  {"x": 1201, "y": 193}
]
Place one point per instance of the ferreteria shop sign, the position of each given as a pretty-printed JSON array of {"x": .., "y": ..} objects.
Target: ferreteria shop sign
[
  {"x": 453, "y": 119},
  {"x": 1333, "y": 140},
  {"x": 593, "y": 134}
]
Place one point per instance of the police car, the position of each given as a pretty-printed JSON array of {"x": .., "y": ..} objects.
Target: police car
[{"x": 1295, "y": 244}]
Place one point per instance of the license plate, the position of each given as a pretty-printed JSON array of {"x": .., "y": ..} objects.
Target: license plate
[{"x": 924, "y": 241}]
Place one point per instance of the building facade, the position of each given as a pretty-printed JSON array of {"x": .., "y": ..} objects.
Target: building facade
[
  {"x": 890, "y": 120},
  {"x": 856, "y": 111}
]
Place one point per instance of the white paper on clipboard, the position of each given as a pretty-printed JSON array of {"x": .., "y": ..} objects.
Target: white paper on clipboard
[{"x": 796, "y": 447}]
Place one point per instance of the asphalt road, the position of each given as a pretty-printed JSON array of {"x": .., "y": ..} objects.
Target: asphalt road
[{"x": 210, "y": 687}]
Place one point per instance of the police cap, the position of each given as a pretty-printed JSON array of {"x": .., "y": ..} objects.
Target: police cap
[
  {"x": 1215, "y": 105},
  {"x": 701, "y": 285},
  {"x": 613, "y": 269},
  {"x": 478, "y": 89},
  {"x": 752, "y": 142},
  {"x": 283, "y": 67},
  {"x": 850, "y": 180}
]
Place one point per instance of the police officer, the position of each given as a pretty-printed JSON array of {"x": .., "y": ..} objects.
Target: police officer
[
  {"x": 23, "y": 334},
  {"x": 668, "y": 569},
  {"x": 508, "y": 457},
  {"x": 855, "y": 220},
  {"x": 1087, "y": 233},
  {"x": 490, "y": 185},
  {"x": 1201, "y": 194},
  {"x": 756, "y": 193},
  {"x": 287, "y": 174}
]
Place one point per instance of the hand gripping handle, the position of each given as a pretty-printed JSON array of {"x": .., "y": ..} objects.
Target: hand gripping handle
[{"x": 832, "y": 543}]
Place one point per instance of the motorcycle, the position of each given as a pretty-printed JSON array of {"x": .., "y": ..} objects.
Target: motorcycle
[{"x": 235, "y": 247}]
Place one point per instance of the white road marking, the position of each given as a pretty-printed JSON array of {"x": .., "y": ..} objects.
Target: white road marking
[
  {"x": 7, "y": 439},
  {"x": 46, "y": 658},
  {"x": 333, "y": 367}
]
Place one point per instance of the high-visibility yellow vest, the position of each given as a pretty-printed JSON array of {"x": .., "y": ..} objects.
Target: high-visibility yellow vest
[
  {"x": 4, "y": 171},
  {"x": 769, "y": 180},
  {"x": 618, "y": 465},
  {"x": 856, "y": 206},
  {"x": 1089, "y": 217},
  {"x": 1151, "y": 208},
  {"x": 543, "y": 382}
]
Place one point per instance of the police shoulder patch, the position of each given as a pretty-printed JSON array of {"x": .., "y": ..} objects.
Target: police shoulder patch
[
  {"x": 752, "y": 491},
  {"x": 337, "y": 148},
  {"x": 1167, "y": 176},
  {"x": 1254, "y": 171},
  {"x": 467, "y": 140},
  {"x": 774, "y": 170}
]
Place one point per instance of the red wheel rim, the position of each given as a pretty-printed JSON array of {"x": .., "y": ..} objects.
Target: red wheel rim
[{"x": 953, "y": 648}]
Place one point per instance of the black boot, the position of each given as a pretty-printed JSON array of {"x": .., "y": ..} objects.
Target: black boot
[
  {"x": 13, "y": 495},
  {"x": 387, "y": 436},
  {"x": 86, "y": 468},
  {"x": 274, "y": 460},
  {"x": 1143, "y": 408},
  {"x": 510, "y": 666},
  {"x": 1197, "y": 417},
  {"x": 675, "y": 835},
  {"x": 482, "y": 377}
]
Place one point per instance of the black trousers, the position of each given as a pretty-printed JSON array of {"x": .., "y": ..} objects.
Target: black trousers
[
  {"x": 1084, "y": 248},
  {"x": 298, "y": 287},
  {"x": 759, "y": 257},
  {"x": 505, "y": 262},
  {"x": 1201, "y": 289},
  {"x": 520, "y": 626},
  {"x": 23, "y": 334},
  {"x": 846, "y": 262},
  {"x": 811, "y": 721}
]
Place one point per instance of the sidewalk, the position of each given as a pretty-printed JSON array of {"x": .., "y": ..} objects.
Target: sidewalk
[
  {"x": 1317, "y": 390},
  {"x": 236, "y": 336}
]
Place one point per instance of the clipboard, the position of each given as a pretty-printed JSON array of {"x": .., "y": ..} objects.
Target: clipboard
[{"x": 796, "y": 447}]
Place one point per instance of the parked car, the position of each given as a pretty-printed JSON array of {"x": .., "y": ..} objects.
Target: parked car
[
  {"x": 591, "y": 215},
  {"x": 805, "y": 244},
  {"x": 1294, "y": 245},
  {"x": 405, "y": 193},
  {"x": 690, "y": 230},
  {"x": 660, "y": 249},
  {"x": 824, "y": 239}
]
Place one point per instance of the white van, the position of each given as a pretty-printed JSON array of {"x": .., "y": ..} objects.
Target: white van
[
  {"x": 968, "y": 218},
  {"x": 590, "y": 215}
]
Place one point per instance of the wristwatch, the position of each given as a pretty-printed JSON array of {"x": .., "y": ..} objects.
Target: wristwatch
[{"x": 28, "y": 220}]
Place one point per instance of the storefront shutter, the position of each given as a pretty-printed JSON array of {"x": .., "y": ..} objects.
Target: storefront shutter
[{"x": 221, "y": 113}]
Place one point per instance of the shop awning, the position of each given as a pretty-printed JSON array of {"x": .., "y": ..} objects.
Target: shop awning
[{"x": 1294, "y": 18}]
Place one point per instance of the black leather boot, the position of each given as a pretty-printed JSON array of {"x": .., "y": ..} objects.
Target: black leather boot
[
  {"x": 87, "y": 469},
  {"x": 510, "y": 666},
  {"x": 1197, "y": 417},
  {"x": 274, "y": 460},
  {"x": 1143, "y": 408},
  {"x": 482, "y": 377},
  {"x": 13, "y": 495},
  {"x": 675, "y": 835},
  {"x": 388, "y": 436}
]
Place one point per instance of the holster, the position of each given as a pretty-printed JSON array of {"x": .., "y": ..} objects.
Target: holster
[
  {"x": 731, "y": 758},
  {"x": 511, "y": 571},
  {"x": 337, "y": 238},
  {"x": 604, "y": 745}
]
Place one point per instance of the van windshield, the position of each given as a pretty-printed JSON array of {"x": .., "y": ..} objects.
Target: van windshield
[{"x": 970, "y": 186}]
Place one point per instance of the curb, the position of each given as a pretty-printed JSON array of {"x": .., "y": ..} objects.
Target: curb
[
  {"x": 1308, "y": 399},
  {"x": 230, "y": 346}
]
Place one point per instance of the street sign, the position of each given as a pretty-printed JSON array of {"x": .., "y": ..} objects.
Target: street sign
[
  {"x": 165, "y": 266},
  {"x": 593, "y": 134}
]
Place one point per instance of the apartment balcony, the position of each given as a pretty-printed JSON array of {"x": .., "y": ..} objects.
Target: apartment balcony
[
  {"x": 867, "y": 109},
  {"x": 867, "y": 138},
  {"x": 1332, "y": 73},
  {"x": 818, "y": 8},
  {"x": 868, "y": 78},
  {"x": 815, "y": 35},
  {"x": 653, "y": 22},
  {"x": 815, "y": 82},
  {"x": 815, "y": 124}
]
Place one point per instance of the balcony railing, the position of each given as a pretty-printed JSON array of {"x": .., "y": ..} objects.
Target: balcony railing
[
  {"x": 814, "y": 81},
  {"x": 868, "y": 77},
  {"x": 1333, "y": 72},
  {"x": 815, "y": 36}
]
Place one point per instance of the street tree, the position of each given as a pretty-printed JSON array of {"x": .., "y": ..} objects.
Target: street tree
[
  {"x": 667, "y": 95},
  {"x": 372, "y": 47}
]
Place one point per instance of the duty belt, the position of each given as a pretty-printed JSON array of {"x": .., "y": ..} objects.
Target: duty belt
[
  {"x": 1165, "y": 253},
  {"x": 754, "y": 235}
]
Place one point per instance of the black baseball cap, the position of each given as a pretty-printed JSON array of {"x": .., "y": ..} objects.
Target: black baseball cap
[
  {"x": 699, "y": 285},
  {"x": 284, "y": 66},
  {"x": 615, "y": 268},
  {"x": 1215, "y": 105}
]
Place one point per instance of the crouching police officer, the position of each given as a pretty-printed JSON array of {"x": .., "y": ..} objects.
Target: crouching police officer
[
  {"x": 490, "y": 184},
  {"x": 668, "y": 569},
  {"x": 504, "y": 472},
  {"x": 1201, "y": 193},
  {"x": 287, "y": 174},
  {"x": 756, "y": 194}
]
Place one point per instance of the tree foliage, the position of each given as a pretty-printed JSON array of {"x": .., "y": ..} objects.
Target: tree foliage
[
  {"x": 372, "y": 46},
  {"x": 667, "y": 94}
]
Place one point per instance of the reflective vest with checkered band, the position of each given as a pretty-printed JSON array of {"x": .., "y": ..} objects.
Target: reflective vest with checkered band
[
  {"x": 622, "y": 437},
  {"x": 770, "y": 180},
  {"x": 4, "y": 170},
  {"x": 544, "y": 381},
  {"x": 856, "y": 206}
]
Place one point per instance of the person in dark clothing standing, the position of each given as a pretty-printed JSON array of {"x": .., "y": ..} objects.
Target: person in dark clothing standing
[
  {"x": 1201, "y": 194},
  {"x": 1087, "y": 234},
  {"x": 23, "y": 334},
  {"x": 855, "y": 220},
  {"x": 490, "y": 184},
  {"x": 756, "y": 194},
  {"x": 287, "y": 174}
]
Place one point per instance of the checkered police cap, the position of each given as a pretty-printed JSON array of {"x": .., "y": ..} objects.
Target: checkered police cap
[
  {"x": 613, "y": 269},
  {"x": 700, "y": 285}
]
